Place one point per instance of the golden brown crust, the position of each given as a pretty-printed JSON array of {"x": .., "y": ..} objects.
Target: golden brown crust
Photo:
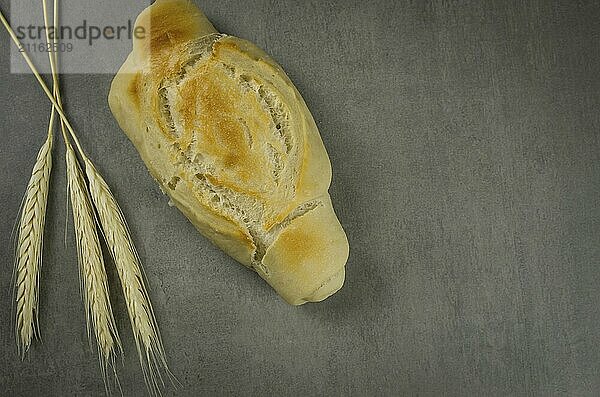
[
  {"x": 228, "y": 137},
  {"x": 296, "y": 258}
]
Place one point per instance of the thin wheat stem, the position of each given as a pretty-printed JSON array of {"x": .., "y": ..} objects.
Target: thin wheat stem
[{"x": 43, "y": 85}]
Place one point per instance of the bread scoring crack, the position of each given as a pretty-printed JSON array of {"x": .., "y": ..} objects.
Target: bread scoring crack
[
  {"x": 263, "y": 241},
  {"x": 278, "y": 146}
]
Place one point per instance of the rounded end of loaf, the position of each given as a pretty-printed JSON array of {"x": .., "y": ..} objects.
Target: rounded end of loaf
[
  {"x": 168, "y": 23},
  {"x": 306, "y": 262},
  {"x": 333, "y": 285}
]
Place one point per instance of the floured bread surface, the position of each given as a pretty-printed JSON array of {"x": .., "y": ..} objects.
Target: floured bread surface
[{"x": 228, "y": 137}]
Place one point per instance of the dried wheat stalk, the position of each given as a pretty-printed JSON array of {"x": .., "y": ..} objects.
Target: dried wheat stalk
[
  {"x": 143, "y": 323},
  {"x": 141, "y": 315},
  {"x": 94, "y": 283},
  {"x": 28, "y": 258}
]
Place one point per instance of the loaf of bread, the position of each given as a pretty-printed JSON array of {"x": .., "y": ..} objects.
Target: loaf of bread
[{"x": 230, "y": 140}]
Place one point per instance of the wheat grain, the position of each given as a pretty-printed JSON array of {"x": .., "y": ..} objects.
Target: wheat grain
[
  {"x": 94, "y": 283},
  {"x": 141, "y": 315},
  {"x": 28, "y": 258}
]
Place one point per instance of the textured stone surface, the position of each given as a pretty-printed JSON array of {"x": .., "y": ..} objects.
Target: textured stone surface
[{"x": 465, "y": 145}]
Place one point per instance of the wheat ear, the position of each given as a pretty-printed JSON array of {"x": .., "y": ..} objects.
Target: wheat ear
[
  {"x": 28, "y": 259},
  {"x": 94, "y": 283},
  {"x": 30, "y": 242},
  {"x": 92, "y": 274},
  {"x": 141, "y": 315}
]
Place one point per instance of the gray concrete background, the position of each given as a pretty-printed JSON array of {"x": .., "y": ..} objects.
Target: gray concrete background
[{"x": 465, "y": 143}]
